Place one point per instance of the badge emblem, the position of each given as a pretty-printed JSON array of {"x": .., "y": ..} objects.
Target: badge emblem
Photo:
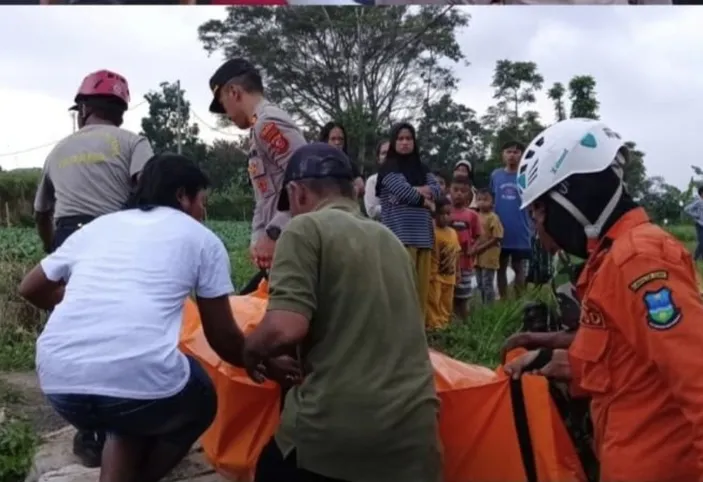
[{"x": 662, "y": 312}]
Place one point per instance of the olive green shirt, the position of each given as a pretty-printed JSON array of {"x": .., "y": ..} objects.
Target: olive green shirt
[{"x": 367, "y": 410}]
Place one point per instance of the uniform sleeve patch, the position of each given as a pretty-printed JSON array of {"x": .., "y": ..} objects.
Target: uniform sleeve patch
[
  {"x": 274, "y": 138},
  {"x": 662, "y": 312},
  {"x": 591, "y": 316},
  {"x": 648, "y": 278}
]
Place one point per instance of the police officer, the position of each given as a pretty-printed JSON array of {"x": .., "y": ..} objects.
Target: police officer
[
  {"x": 238, "y": 92},
  {"x": 88, "y": 174},
  {"x": 636, "y": 353}
]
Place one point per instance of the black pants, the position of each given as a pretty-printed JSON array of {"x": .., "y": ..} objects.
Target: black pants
[
  {"x": 272, "y": 467},
  {"x": 65, "y": 227}
]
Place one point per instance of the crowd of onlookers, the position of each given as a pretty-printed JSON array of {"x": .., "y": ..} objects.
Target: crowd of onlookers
[{"x": 455, "y": 232}]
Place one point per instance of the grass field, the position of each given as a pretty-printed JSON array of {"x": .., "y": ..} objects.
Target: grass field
[{"x": 476, "y": 340}]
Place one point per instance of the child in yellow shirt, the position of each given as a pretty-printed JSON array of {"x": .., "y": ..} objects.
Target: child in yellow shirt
[
  {"x": 487, "y": 247},
  {"x": 445, "y": 268}
]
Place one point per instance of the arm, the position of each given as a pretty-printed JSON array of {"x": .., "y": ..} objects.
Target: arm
[
  {"x": 434, "y": 187},
  {"x": 277, "y": 138},
  {"x": 664, "y": 325},
  {"x": 43, "y": 286},
  {"x": 292, "y": 292},
  {"x": 495, "y": 235},
  {"x": 401, "y": 189},
  {"x": 43, "y": 210},
  {"x": 212, "y": 289},
  {"x": 371, "y": 202},
  {"x": 693, "y": 208},
  {"x": 141, "y": 153}
]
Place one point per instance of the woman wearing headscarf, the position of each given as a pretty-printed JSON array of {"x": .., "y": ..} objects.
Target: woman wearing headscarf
[
  {"x": 334, "y": 134},
  {"x": 408, "y": 190}
]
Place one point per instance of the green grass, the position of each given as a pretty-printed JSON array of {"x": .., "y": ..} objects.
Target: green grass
[{"x": 476, "y": 340}]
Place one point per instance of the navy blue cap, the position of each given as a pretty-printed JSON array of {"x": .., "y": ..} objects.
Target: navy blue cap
[
  {"x": 227, "y": 71},
  {"x": 314, "y": 161}
]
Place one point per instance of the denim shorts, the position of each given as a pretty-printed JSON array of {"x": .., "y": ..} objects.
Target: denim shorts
[{"x": 180, "y": 418}]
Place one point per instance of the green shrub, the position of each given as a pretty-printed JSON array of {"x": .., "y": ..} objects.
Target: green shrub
[{"x": 18, "y": 444}]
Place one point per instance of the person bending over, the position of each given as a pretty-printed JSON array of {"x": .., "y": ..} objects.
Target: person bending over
[{"x": 108, "y": 357}]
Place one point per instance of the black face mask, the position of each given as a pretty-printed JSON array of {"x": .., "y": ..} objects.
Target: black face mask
[{"x": 566, "y": 231}]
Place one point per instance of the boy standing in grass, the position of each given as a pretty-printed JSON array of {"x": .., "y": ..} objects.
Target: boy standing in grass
[
  {"x": 468, "y": 227},
  {"x": 487, "y": 247},
  {"x": 445, "y": 268}
]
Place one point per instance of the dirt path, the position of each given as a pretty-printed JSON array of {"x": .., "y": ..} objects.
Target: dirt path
[{"x": 20, "y": 396}]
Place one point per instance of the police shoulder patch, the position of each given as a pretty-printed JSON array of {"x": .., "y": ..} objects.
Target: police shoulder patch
[
  {"x": 648, "y": 278},
  {"x": 274, "y": 138},
  {"x": 662, "y": 312},
  {"x": 592, "y": 316}
]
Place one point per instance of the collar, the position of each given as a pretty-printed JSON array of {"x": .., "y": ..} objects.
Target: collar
[
  {"x": 257, "y": 111},
  {"x": 622, "y": 226},
  {"x": 342, "y": 204}
]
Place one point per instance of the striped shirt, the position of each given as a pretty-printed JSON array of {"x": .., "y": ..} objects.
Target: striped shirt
[{"x": 402, "y": 210}]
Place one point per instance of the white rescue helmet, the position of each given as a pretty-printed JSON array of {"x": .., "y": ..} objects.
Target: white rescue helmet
[{"x": 572, "y": 146}]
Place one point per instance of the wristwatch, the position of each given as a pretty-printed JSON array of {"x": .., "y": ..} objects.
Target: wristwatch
[{"x": 273, "y": 232}]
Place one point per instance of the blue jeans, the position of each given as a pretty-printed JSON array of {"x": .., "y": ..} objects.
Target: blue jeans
[{"x": 181, "y": 418}]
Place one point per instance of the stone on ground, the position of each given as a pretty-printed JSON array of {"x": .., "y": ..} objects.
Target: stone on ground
[{"x": 55, "y": 462}]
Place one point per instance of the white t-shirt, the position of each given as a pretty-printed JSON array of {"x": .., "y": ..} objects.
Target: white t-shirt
[
  {"x": 116, "y": 331},
  {"x": 371, "y": 202}
]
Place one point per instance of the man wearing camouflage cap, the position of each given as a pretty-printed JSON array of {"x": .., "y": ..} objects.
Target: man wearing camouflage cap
[
  {"x": 342, "y": 293},
  {"x": 238, "y": 92}
]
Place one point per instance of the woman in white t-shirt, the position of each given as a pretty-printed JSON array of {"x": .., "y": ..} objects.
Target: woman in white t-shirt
[
  {"x": 371, "y": 202},
  {"x": 108, "y": 357}
]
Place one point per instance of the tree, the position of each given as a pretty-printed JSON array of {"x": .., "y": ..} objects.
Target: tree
[
  {"x": 556, "y": 94},
  {"x": 226, "y": 164},
  {"x": 515, "y": 86},
  {"x": 582, "y": 94},
  {"x": 663, "y": 201},
  {"x": 635, "y": 173},
  {"x": 169, "y": 112},
  {"x": 449, "y": 132},
  {"x": 369, "y": 67}
]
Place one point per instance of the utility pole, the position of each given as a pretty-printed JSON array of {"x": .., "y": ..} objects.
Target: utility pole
[{"x": 179, "y": 127}]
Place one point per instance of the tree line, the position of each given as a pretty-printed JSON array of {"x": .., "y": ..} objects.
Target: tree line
[{"x": 369, "y": 68}]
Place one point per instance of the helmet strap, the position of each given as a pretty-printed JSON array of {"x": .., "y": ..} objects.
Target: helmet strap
[{"x": 592, "y": 230}]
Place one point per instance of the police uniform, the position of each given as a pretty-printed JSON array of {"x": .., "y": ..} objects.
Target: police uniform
[
  {"x": 273, "y": 138},
  {"x": 637, "y": 354}
]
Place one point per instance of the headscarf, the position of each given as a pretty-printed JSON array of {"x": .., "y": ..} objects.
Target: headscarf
[{"x": 409, "y": 165}]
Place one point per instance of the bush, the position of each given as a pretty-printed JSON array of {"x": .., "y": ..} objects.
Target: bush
[
  {"x": 17, "y": 189},
  {"x": 17, "y": 446},
  {"x": 231, "y": 204}
]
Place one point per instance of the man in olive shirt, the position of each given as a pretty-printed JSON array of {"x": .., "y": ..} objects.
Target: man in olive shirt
[
  {"x": 342, "y": 294},
  {"x": 238, "y": 92}
]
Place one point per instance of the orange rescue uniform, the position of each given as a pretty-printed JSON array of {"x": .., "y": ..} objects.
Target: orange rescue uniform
[{"x": 638, "y": 354}]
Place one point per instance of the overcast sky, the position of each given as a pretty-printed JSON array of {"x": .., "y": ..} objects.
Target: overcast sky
[{"x": 648, "y": 62}]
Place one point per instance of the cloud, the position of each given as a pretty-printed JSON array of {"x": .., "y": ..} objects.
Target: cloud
[{"x": 648, "y": 62}]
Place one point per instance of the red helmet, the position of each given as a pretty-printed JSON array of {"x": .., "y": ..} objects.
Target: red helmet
[{"x": 103, "y": 83}]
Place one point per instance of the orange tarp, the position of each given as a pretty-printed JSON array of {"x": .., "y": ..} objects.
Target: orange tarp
[{"x": 476, "y": 419}]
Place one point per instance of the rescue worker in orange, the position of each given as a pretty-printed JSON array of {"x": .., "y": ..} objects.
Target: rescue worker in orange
[{"x": 637, "y": 352}]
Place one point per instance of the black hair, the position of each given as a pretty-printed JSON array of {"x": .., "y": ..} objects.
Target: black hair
[
  {"x": 513, "y": 145},
  {"x": 461, "y": 179},
  {"x": 438, "y": 173},
  {"x": 484, "y": 191},
  {"x": 323, "y": 186},
  {"x": 250, "y": 81},
  {"x": 700, "y": 190},
  {"x": 439, "y": 204},
  {"x": 163, "y": 177},
  {"x": 327, "y": 130},
  {"x": 379, "y": 145},
  {"x": 106, "y": 107}
]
